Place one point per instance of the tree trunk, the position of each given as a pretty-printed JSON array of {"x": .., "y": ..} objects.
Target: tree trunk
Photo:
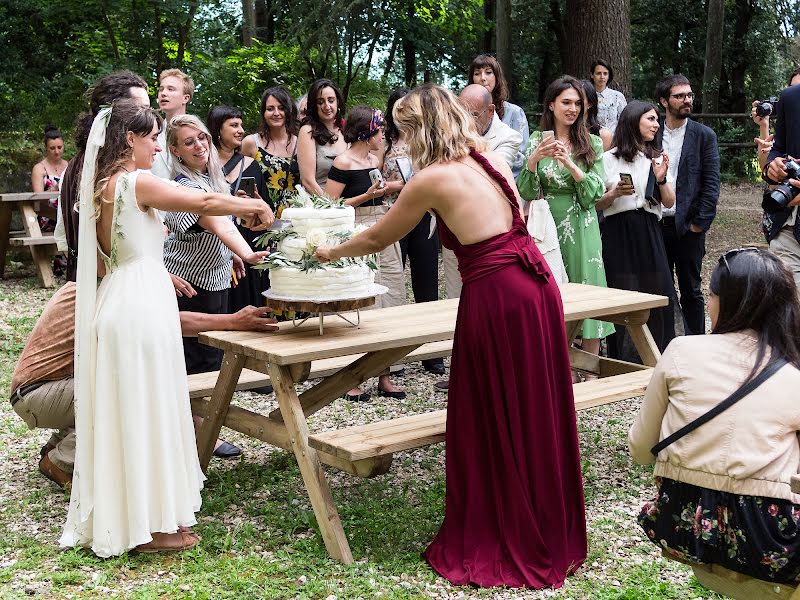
[
  {"x": 489, "y": 15},
  {"x": 184, "y": 32},
  {"x": 112, "y": 36},
  {"x": 248, "y": 22},
  {"x": 599, "y": 29},
  {"x": 743, "y": 12},
  {"x": 390, "y": 59},
  {"x": 713, "y": 67},
  {"x": 559, "y": 31},
  {"x": 159, "y": 35},
  {"x": 503, "y": 29},
  {"x": 264, "y": 28},
  {"x": 410, "y": 50}
]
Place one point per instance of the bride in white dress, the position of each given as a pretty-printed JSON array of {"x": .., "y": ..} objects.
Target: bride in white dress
[{"x": 137, "y": 478}]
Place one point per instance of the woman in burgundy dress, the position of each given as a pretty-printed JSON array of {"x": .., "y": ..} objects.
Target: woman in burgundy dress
[{"x": 514, "y": 511}]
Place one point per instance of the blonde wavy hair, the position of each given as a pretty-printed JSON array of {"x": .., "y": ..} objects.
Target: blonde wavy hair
[
  {"x": 436, "y": 126},
  {"x": 216, "y": 177}
]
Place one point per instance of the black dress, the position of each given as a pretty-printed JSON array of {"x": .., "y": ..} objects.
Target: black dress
[{"x": 248, "y": 291}]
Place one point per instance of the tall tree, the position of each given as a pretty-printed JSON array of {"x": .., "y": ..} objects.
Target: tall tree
[
  {"x": 248, "y": 22},
  {"x": 598, "y": 29},
  {"x": 503, "y": 29},
  {"x": 713, "y": 63}
]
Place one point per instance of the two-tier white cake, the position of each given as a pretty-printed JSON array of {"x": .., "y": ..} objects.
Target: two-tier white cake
[{"x": 295, "y": 274}]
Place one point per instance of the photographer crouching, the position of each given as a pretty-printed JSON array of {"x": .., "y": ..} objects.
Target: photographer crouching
[{"x": 780, "y": 224}]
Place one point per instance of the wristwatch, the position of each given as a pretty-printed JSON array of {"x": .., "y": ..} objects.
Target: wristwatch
[{"x": 662, "y": 182}]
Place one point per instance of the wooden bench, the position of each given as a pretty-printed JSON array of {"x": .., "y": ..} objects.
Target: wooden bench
[
  {"x": 404, "y": 433},
  {"x": 40, "y": 244},
  {"x": 202, "y": 384},
  {"x": 736, "y": 585}
]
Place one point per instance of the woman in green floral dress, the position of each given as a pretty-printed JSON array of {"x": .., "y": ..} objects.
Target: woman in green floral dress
[{"x": 567, "y": 171}]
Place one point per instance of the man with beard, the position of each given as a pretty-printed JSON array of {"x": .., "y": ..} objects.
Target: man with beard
[{"x": 694, "y": 175}]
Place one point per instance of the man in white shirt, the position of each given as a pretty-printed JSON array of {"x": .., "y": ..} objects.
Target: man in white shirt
[
  {"x": 175, "y": 91},
  {"x": 501, "y": 139},
  {"x": 694, "y": 175}
]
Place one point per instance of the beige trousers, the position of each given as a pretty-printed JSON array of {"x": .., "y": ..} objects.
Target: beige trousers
[
  {"x": 51, "y": 406},
  {"x": 390, "y": 261},
  {"x": 787, "y": 248},
  {"x": 452, "y": 278}
]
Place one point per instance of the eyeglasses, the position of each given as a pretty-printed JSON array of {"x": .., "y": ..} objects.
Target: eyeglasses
[
  {"x": 682, "y": 96},
  {"x": 478, "y": 115},
  {"x": 201, "y": 137},
  {"x": 723, "y": 259}
]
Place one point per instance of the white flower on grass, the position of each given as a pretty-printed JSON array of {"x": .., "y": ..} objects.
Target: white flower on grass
[{"x": 316, "y": 237}]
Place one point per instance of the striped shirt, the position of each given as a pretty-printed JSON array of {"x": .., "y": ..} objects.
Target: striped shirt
[{"x": 193, "y": 253}]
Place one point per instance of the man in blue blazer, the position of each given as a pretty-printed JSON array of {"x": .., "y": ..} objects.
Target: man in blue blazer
[
  {"x": 694, "y": 174},
  {"x": 782, "y": 227}
]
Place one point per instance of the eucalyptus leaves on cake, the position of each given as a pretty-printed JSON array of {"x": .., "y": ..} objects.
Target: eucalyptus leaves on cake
[{"x": 294, "y": 271}]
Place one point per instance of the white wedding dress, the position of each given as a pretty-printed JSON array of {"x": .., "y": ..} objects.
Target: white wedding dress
[{"x": 137, "y": 469}]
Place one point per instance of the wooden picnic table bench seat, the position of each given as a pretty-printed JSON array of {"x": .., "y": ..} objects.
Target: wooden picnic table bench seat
[
  {"x": 202, "y": 384},
  {"x": 41, "y": 245},
  {"x": 44, "y": 240},
  {"x": 404, "y": 433}
]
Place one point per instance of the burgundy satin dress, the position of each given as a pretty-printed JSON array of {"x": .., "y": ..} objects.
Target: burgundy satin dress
[{"x": 514, "y": 506}]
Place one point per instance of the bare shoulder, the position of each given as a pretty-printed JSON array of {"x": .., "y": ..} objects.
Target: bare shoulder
[
  {"x": 343, "y": 161},
  {"x": 38, "y": 168},
  {"x": 305, "y": 131}
]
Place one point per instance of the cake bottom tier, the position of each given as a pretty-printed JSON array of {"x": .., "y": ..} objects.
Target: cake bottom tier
[{"x": 352, "y": 281}]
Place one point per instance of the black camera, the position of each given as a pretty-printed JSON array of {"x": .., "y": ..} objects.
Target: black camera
[
  {"x": 779, "y": 198},
  {"x": 765, "y": 108}
]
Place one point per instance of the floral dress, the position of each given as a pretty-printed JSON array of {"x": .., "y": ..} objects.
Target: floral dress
[
  {"x": 754, "y": 535},
  {"x": 281, "y": 174},
  {"x": 572, "y": 205}
]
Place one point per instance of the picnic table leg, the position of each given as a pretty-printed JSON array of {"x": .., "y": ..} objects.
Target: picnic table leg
[
  {"x": 310, "y": 467},
  {"x": 41, "y": 255},
  {"x": 5, "y": 232},
  {"x": 232, "y": 364},
  {"x": 573, "y": 327},
  {"x": 645, "y": 344}
]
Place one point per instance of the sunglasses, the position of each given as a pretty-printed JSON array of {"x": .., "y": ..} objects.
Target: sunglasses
[{"x": 723, "y": 259}]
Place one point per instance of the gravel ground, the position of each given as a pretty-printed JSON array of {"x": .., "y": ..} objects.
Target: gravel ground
[{"x": 621, "y": 564}]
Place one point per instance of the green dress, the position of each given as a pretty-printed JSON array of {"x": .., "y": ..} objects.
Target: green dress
[{"x": 572, "y": 205}]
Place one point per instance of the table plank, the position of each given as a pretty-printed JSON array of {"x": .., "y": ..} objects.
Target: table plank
[{"x": 28, "y": 196}]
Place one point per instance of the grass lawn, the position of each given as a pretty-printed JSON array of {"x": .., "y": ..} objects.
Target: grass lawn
[{"x": 260, "y": 538}]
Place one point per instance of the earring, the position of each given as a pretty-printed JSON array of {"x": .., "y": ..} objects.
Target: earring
[{"x": 180, "y": 160}]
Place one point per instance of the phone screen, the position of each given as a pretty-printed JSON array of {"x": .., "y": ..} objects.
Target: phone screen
[
  {"x": 626, "y": 178},
  {"x": 548, "y": 134},
  {"x": 248, "y": 186},
  {"x": 405, "y": 168}
]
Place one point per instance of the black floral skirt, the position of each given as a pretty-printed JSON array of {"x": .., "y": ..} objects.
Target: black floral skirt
[{"x": 753, "y": 535}]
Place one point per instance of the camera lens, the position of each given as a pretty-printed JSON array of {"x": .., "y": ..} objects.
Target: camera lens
[{"x": 764, "y": 109}]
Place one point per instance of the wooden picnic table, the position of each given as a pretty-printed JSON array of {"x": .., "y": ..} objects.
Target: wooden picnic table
[
  {"x": 385, "y": 337},
  {"x": 40, "y": 244}
]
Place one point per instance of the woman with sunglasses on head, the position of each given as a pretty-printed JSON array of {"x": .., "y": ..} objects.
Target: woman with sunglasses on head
[
  {"x": 485, "y": 70},
  {"x": 724, "y": 494},
  {"x": 320, "y": 140},
  {"x": 227, "y": 133},
  {"x": 633, "y": 248},
  {"x": 350, "y": 178}
]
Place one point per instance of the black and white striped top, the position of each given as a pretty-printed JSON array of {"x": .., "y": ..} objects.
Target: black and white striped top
[{"x": 193, "y": 253}]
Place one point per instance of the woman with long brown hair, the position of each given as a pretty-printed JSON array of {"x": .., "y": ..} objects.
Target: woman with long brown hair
[
  {"x": 566, "y": 168},
  {"x": 514, "y": 512}
]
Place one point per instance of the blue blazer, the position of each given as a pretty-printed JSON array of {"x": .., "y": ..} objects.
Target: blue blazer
[{"x": 697, "y": 186}]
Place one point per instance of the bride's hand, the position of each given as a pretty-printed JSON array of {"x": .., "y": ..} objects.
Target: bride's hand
[{"x": 323, "y": 254}]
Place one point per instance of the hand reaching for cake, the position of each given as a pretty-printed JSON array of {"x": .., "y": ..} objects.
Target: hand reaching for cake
[{"x": 324, "y": 254}]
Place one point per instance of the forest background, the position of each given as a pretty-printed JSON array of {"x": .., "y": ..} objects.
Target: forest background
[{"x": 733, "y": 51}]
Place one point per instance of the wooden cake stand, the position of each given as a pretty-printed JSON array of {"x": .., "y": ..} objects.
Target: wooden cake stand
[{"x": 320, "y": 309}]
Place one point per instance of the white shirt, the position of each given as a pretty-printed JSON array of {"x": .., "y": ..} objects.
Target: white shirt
[
  {"x": 639, "y": 170},
  {"x": 672, "y": 143},
  {"x": 609, "y": 107}
]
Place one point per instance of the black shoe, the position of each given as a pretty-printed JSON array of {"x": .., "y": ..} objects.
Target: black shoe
[
  {"x": 442, "y": 386},
  {"x": 264, "y": 389},
  {"x": 436, "y": 368},
  {"x": 227, "y": 450},
  {"x": 363, "y": 397},
  {"x": 395, "y": 395}
]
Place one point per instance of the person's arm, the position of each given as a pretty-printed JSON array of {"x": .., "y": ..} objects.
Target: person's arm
[
  {"x": 37, "y": 178},
  {"x": 528, "y": 182},
  {"x": 249, "y": 146},
  {"x": 411, "y": 205},
  {"x": 249, "y": 318},
  {"x": 646, "y": 429},
  {"x": 152, "y": 191},
  {"x": 589, "y": 185},
  {"x": 709, "y": 183},
  {"x": 774, "y": 174},
  {"x": 307, "y": 161},
  {"x": 664, "y": 191},
  {"x": 620, "y": 105},
  {"x": 607, "y": 137},
  {"x": 226, "y": 231}
]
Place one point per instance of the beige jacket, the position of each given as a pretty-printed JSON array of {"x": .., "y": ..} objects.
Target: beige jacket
[{"x": 752, "y": 448}]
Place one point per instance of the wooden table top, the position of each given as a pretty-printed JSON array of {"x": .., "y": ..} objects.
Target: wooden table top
[
  {"x": 404, "y": 326},
  {"x": 28, "y": 196}
]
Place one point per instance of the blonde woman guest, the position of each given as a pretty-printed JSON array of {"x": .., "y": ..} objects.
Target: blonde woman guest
[
  {"x": 200, "y": 249},
  {"x": 137, "y": 478},
  {"x": 320, "y": 140},
  {"x": 349, "y": 178},
  {"x": 514, "y": 512}
]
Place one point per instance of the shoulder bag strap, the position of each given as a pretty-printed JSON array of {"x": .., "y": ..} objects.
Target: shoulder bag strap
[{"x": 768, "y": 371}]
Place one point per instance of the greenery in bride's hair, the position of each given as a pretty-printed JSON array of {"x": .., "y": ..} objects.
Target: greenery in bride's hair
[{"x": 272, "y": 237}]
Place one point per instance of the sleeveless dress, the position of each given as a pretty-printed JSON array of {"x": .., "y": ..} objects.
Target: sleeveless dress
[
  {"x": 514, "y": 507},
  {"x": 145, "y": 471}
]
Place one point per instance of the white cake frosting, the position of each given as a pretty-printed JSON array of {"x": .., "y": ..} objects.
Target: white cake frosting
[{"x": 314, "y": 227}]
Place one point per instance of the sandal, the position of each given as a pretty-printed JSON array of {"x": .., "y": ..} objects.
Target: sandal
[{"x": 170, "y": 542}]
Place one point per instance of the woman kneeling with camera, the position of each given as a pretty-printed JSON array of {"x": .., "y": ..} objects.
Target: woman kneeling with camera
[{"x": 724, "y": 492}]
